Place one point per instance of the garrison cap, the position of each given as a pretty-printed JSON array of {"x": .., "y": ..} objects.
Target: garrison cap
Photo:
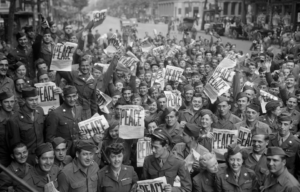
[
  {"x": 247, "y": 87},
  {"x": 188, "y": 88},
  {"x": 5, "y": 95},
  {"x": 275, "y": 151},
  {"x": 69, "y": 89},
  {"x": 57, "y": 141},
  {"x": 20, "y": 34},
  {"x": 191, "y": 129},
  {"x": 284, "y": 117},
  {"x": 221, "y": 99},
  {"x": 85, "y": 145},
  {"x": 241, "y": 95},
  {"x": 254, "y": 106},
  {"x": 29, "y": 92},
  {"x": 272, "y": 105},
  {"x": 43, "y": 148}
]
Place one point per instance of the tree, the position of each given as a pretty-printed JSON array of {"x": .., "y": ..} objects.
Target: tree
[{"x": 11, "y": 18}]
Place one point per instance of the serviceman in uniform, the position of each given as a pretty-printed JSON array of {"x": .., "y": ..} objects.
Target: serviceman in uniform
[
  {"x": 251, "y": 121},
  {"x": 226, "y": 119},
  {"x": 23, "y": 53},
  {"x": 6, "y": 83},
  {"x": 63, "y": 121},
  {"x": 163, "y": 163},
  {"x": 60, "y": 147},
  {"x": 116, "y": 176},
  {"x": 7, "y": 102},
  {"x": 18, "y": 166},
  {"x": 288, "y": 142},
  {"x": 271, "y": 118},
  {"x": 279, "y": 179},
  {"x": 27, "y": 125},
  {"x": 242, "y": 102},
  {"x": 43, "y": 172},
  {"x": 290, "y": 109},
  {"x": 81, "y": 174}
]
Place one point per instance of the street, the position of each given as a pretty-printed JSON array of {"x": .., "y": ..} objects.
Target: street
[{"x": 114, "y": 23}]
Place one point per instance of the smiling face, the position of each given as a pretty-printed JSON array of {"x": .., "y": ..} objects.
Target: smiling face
[
  {"x": 46, "y": 161},
  {"x": 3, "y": 67},
  {"x": 116, "y": 160},
  {"x": 114, "y": 132},
  {"x": 259, "y": 143},
  {"x": 291, "y": 103},
  {"x": 21, "y": 71},
  {"x": 20, "y": 154},
  {"x": 251, "y": 114},
  {"x": 197, "y": 103},
  {"x": 85, "y": 158},
  {"x": 31, "y": 102},
  {"x": 23, "y": 41},
  {"x": 206, "y": 121},
  {"x": 235, "y": 162}
]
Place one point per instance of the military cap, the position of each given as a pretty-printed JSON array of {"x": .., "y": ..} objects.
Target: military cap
[
  {"x": 98, "y": 67},
  {"x": 46, "y": 31},
  {"x": 29, "y": 92},
  {"x": 143, "y": 83},
  {"x": 2, "y": 56},
  {"x": 254, "y": 106},
  {"x": 17, "y": 65},
  {"x": 221, "y": 99},
  {"x": 126, "y": 88},
  {"x": 151, "y": 90},
  {"x": 234, "y": 148},
  {"x": 5, "y": 95},
  {"x": 290, "y": 76},
  {"x": 116, "y": 92},
  {"x": 284, "y": 117},
  {"x": 69, "y": 89},
  {"x": 205, "y": 112},
  {"x": 188, "y": 88},
  {"x": 150, "y": 101},
  {"x": 57, "y": 141},
  {"x": 20, "y": 34},
  {"x": 271, "y": 151},
  {"x": 43, "y": 148},
  {"x": 247, "y": 87},
  {"x": 136, "y": 95},
  {"x": 161, "y": 134},
  {"x": 272, "y": 105},
  {"x": 51, "y": 23},
  {"x": 167, "y": 111},
  {"x": 41, "y": 72},
  {"x": 241, "y": 95},
  {"x": 274, "y": 84},
  {"x": 86, "y": 145},
  {"x": 113, "y": 124},
  {"x": 259, "y": 132},
  {"x": 154, "y": 63},
  {"x": 292, "y": 96},
  {"x": 191, "y": 129}
]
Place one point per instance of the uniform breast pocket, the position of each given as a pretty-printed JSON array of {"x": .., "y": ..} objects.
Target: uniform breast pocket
[
  {"x": 126, "y": 181},
  {"x": 78, "y": 186},
  {"x": 247, "y": 186},
  {"x": 26, "y": 130},
  {"x": 228, "y": 187},
  {"x": 63, "y": 127},
  {"x": 171, "y": 175},
  {"x": 94, "y": 179}
]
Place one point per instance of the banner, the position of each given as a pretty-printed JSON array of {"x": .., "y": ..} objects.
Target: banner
[
  {"x": 245, "y": 137},
  {"x": 159, "y": 78},
  {"x": 173, "y": 100},
  {"x": 153, "y": 185},
  {"x": 223, "y": 138},
  {"x": 132, "y": 122},
  {"x": 173, "y": 73},
  {"x": 172, "y": 52},
  {"x": 62, "y": 56},
  {"x": 130, "y": 61},
  {"x": 95, "y": 125},
  {"x": 99, "y": 17},
  {"x": 268, "y": 96},
  {"x": 46, "y": 96},
  {"x": 146, "y": 45},
  {"x": 103, "y": 100},
  {"x": 105, "y": 66},
  {"x": 158, "y": 50},
  {"x": 143, "y": 149},
  {"x": 218, "y": 83}
]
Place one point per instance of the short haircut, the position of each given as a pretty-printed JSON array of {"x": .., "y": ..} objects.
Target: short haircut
[
  {"x": 17, "y": 145},
  {"x": 115, "y": 148},
  {"x": 39, "y": 62},
  {"x": 231, "y": 153}
]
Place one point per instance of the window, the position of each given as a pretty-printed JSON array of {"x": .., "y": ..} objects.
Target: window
[
  {"x": 225, "y": 10},
  {"x": 233, "y": 5},
  {"x": 179, "y": 11}
]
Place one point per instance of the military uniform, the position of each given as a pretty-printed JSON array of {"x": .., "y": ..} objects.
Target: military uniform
[
  {"x": 38, "y": 179},
  {"x": 204, "y": 182},
  {"x": 188, "y": 115},
  {"x": 227, "y": 122},
  {"x": 284, "y": 183},
  {"x": 171, "y": 168},
  {"x": 7, "y": 84},
  {"x": 181, "y": 150},
  {"x": 291, "y": 146},
  {"x": 23, "y": 54},
  {"x": 272, "y": 124},
  {"x": 61, "y": 123},
  {"x": 61, "y": 164},
  {"x": 86, "y": 87},
  {"x": 175, "y": 131},
  {"x": 73, "y": 179},
  {"x": 7, "y": 182},
  {"x": 295, "y": 118},
  {"x": 240, "y": 114},
  {"x": 107, "y": 181},
  {"x": 257, "y": 125},
  {"x": 20, "y": 128},
  {"x": 225, "y": 181},
  {"x": 4, "y": 150}
]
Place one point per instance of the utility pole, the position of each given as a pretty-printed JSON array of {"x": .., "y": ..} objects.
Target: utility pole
[
  {"x": 203, "y": 15},
  {"x": 10, "y": 23}
]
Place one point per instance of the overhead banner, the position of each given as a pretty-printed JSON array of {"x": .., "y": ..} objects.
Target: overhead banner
[
  {"x": 223, "y": 138},
  {"x": 103, "y": 100},
  {"x": 132, "y": 122},
  {"x": 46, "y": 96},
  {"x": 143, "y": 149},
  {"x": 62, "y": 56},
  {"x": 153, "y": 185},
  {"x": 95, "y": 125},
  {"x": 173, "y": 100},
  {"x": 245, "y": 137},
  {"x": 218, "y": 83},
  {"x": 173, "y": 73}
]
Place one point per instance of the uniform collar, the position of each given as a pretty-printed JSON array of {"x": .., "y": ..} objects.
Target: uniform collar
[
  {"x": 282, "y": 178},
  {"x": 89, "y": 78}
]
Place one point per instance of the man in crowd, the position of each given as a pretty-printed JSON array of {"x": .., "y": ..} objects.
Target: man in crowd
[
  {"x": 271, "y": 117},
  {"x": 6, "y": 83},
  {"x": 189, "y": 114},
  {"x": 242, "y": 102},
  {"x": 60, "y": 147}
]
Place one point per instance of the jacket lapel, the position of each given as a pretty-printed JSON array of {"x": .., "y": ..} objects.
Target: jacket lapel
[
  {"x": 123, "y": 172},
  {"x": 155, "y": 163},
  {"x": 66, "y": 111},
  {"x": 110, "y": 174},
  {"x": 287, "y": 142},
  {"x": 230, "y": 178},
  {"x": 275, "y": 141},
  {"x": 169, "y": 163}
]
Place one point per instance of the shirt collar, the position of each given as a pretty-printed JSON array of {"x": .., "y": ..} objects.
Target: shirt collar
[
  {"x": 89, "y": 78},
  {"x": 285, "y": 137}
]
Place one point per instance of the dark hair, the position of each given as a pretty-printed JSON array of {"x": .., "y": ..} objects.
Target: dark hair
[
  {"x": 17, "y": 145},
  {"x": 151, "y": 121},
  {"x": 162, "y": 142},
  {"x": 197, "y": 95},
  {"x": 126, "y": 89},
  {"x": 231, "y": 153},
  {"x": 115, "y": 148},
  {"x": 39, "y": 62}
]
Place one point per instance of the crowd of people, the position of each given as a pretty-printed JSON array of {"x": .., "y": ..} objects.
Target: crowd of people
[{"x": 50, "y": 149}]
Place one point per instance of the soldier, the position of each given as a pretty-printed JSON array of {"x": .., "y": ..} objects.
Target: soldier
[
  {"x": 27, "y": 125},
  {"x": 257, "y": 159},
  {"x": 242, "y": 102},
  {"x": 226, "y": 119},
  {"x": 60, "y": 147},
  {"x": 7, "y": 101},
  {"x": 163, "y": 163},
  {"x": 116, "y": 176},
  {"x": 81, "y": 174},
  {"x": 6, "y": 83},
  {"x": 18, "y": 166},
  {"x": 187, "y": 97},
  {"x": 63, "y": 121},
  {"x": 290, "y": 109},
  {"x": 288, "y": 142},
  {"x": 271, "y": 118},
  {"x": 23, "y": 53},
  {"x": 43, "y": 172},
  {"x": 279, "y": 178}
]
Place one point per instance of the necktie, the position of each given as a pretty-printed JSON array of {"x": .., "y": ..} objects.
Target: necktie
[
  {"x": 236, "y": 178},
  {"x": 73, "y": 113},
  {"x": 161, "y": 163},
  {"x": 280, "y": 141},
  {"x": 32, "y": 116}
]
